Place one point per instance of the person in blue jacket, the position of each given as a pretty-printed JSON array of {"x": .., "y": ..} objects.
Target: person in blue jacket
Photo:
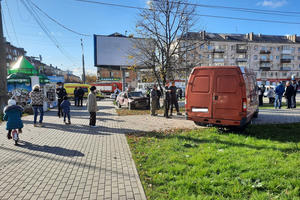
[
  {"x": 279, "y": 90},
  {"x": 65, "y": 106},
  {"x": 13, "y": 114}
]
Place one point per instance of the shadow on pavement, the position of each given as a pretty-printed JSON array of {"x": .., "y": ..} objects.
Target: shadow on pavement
[
  {"x": 48, "y": 149},
  {"x": 84, "y": 129}
]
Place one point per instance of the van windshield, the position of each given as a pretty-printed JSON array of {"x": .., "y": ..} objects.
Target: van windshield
[{"x": 135, "y": 94}]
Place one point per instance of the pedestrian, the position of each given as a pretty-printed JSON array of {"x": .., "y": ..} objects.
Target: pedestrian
[
  {"x": 80, "y": 96},
  {"x": 180, "y": 93},
  {"x": 158, "y": 95},
  {"x": 271, "y": 95},
  {"x": 117, "y": 91},
  {"x": 261, "y": 91},
  {"x": 289, "y": 91},
  {"x": 174, "y": 99},
  {"x": 154, "y": 100},
  {"x": 61, "y": 93},
  {"x": 65, "y": 106},
  {"x": 13, "y": 114},
  {"x": 295, "y": 86},
  {"x": 279, "y": 90},
  {"x": 37, "y": 102},
  {"x": 92, "y": 106},
  {"x": 76, "y": 96},
  {"x": 167, "y": 100}
]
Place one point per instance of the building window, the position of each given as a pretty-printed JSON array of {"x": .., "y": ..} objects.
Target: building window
[
  {"x": 202, "y": 46},
  {"x": 209, "y": 56},
  {"x": 255, "y": 57},
  {"x": 286, "y": 47},
  {"x": 277, "y": 57},
  {"x": 200, "y": 56},
  {"x": 298, "y": 57},
  {"x": 111, "y": 74},
  {"x": 292, "y": 57},
  {"x": 209, "y": 47},
  {"x": 263, "y": 48},
  {"x": 293, "y": 49},
  {"x": 255, "y": 47},
  {"x": 271, "y": 57},
  {"x": 278, "y": 48},
  {"x": 127, "y": 74},
  {"x": 299, "y": 49},
  {"x": 263, "y": 57}
]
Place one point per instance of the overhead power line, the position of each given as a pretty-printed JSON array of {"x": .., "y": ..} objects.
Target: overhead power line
[
  {"x": 251, "y": 10},
  {"x": 201, "y": 15},
  {"x": 60, "y": 24},
  {"x": 12, "y": 23},
  {"x": 5, "y": 27},
  {"x": 38, "y": 20}
]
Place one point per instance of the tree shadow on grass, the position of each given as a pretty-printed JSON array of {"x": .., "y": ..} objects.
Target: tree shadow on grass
[
  {"x": 48, "y": 149},
  {"x": 177, "y": 135}
]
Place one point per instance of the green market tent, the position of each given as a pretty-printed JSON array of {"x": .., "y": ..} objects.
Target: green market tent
[
  {"x": 22, "y": 70},
  {"x": 18, "y": 78},
  {"x": 43, "y": 78},
  {"x": 23, "y": 66}
]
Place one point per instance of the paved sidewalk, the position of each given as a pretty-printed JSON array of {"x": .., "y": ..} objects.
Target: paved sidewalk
[{"x": 69, "y": 162}]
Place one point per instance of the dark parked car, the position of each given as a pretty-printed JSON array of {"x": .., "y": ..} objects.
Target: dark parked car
[{"x": 133, "y": 100}]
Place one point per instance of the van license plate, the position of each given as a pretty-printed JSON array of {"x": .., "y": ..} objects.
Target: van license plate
[{"x": 204, "y": 110}]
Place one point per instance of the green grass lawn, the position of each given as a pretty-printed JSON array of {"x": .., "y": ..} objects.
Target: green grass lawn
[{"x": 263, "y": 163}]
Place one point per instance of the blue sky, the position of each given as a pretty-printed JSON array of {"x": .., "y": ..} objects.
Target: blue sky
[{"x": 103, "y": 20}]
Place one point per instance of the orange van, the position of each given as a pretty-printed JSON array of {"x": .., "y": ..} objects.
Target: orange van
[{"x": 221, "y": 96}]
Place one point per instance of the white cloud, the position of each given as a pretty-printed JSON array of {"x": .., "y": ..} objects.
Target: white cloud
[{"x": 272, "y": 3}]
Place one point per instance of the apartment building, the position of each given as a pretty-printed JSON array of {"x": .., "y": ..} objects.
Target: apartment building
[
  {"x": 273, "y": 58},
  {"x": 13, "y": 53}
]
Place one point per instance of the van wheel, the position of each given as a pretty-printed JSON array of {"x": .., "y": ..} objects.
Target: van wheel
[
  {"x": 130, "y": 106},
  {"x": 255, "y": 115},
  {"x": 200, "y": 124}
]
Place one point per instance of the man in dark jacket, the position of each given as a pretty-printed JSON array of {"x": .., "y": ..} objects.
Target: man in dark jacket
[
  {"x": 295, "y": 86},
  {"x": 154, "y": 100},
  {"x": 61, "y": 93},
  {"x": 76, "y": 96},
  {"x": 167, "y": 100},
  {"x": 174, "y": 100},
  {"x": 279, "y": 90},
  {"x": 289, "y": 91},
  {"x": 80, "y": 93}
]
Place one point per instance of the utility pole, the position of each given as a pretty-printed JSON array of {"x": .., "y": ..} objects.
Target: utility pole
[
  {"x": 83, "y": 69},
  {"x": 3, "y": 67}
]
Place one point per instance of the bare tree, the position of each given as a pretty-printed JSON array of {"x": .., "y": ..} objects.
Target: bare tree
[{"x": 165, "y": 23}]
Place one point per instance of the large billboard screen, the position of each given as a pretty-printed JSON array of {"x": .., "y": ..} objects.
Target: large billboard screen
[{"x": 115, "y": 51}]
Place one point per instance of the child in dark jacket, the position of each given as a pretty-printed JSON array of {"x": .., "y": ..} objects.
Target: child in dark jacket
[
  {"x": 65, "y": 106},
  {"x": 13, "y": 114}
]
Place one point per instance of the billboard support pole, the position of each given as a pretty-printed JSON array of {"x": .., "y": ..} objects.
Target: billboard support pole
[{"x": 123, "y": 79}]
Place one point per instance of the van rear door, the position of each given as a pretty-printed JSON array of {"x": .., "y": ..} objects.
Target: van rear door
[
  {"x": 200, "y": 93},
  {"x": 227, "y": 94}
]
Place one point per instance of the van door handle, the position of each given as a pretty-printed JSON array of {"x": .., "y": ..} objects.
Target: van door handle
[{"x": 216, "y": 98}]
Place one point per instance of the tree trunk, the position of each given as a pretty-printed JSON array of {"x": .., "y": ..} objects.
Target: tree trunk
[{"x": 3, "y": 68}]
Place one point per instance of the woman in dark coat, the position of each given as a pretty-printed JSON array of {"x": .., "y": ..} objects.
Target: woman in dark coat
[{"x": 289, "y": 91}]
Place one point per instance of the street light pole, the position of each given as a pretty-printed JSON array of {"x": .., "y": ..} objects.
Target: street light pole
[
  {"x": 83, "y": 69},
  {"x": 3, "y": 67}
]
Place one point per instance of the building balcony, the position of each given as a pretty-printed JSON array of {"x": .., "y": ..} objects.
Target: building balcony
[
  {"x": 285, "y": 60},
  {"x": 265, "y": 68},
  {"x": 241, "y": 50},
  {"x": 241, "y": 60},
  {"x": 286, "y": 51},
  {"x": 265, "y": 61},
  {"x": 265, "y": 52},
  {"x": 218, "y": 60},
  {"x": 285, "y": 68}
]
